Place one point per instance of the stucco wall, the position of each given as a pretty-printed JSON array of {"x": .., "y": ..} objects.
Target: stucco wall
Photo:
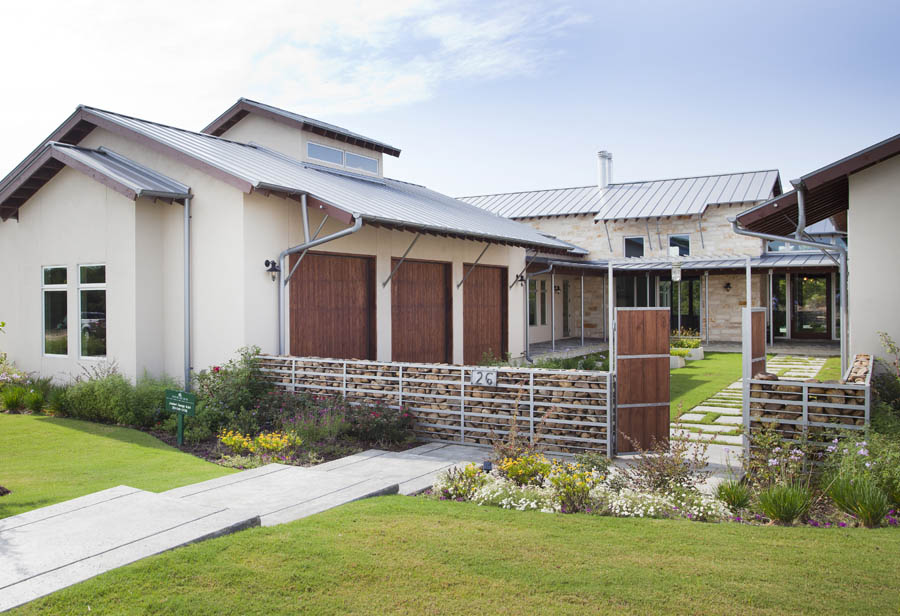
[
  {"x": 72, "y": 220},
  {"x": 274, "y": 224},
  {"x": 872, "y": 224},
  {"x": 292, "y": 141},
  {"x": 718, "y": 237}
]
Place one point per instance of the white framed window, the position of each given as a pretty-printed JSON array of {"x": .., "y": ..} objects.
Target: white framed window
[
  {"x": 543, "y": 302},
  {"x": 634, "y": 246},
  {"x": 358, "y": 161},
  {"x": 324, "y": 153},
  {"x": 55, "y": 308},
  {"x": 92, "y": 311},
  {"x": 682, "y": 242}
]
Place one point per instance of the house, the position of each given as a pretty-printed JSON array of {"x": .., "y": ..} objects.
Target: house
[
  {"x": 645, "y": 227},
  {"x": 162, "y": 249},
  {"x": 858, "y": 196}
]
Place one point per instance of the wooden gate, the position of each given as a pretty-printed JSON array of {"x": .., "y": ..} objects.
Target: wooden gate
[
  {"x": 484, "y": 313},
  {"x": 332, "y": 306},
  {"x": 642, "y": 377},
  {"x": 421, "y": 312}
]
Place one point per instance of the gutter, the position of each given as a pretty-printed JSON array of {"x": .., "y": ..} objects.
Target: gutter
[
  {"x": 306, "y": 245},
  {"x": 842, "y": 252}
]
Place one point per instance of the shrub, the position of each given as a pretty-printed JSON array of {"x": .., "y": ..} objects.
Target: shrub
[
  {"x": 34, "y": 401},
  {"x": 527, "y": 469},
  {"x": 149, "y": 402},
  {"x": 735, "y": 494},
  {"x": 684, "y": 338},
  {"x": 108, "y": 399},
  {"x": 668, "y": 465},
  {"x": 572, "y": 485},
  {"x": 315, "y": 420},
  {"x": 379, "y": 424},
  {"x": 265, "y": 444},
  {"x": 460, "y": 483},
  {"x": 861, "y": 498},
  {"x": 230, "y": 394},
  {"x": 775, "y": 460},
  {"x": 13, "y": 397},
  {"x": 56, "y": 400},
  {"x": 593, "y": 461},
  {"x": 785, "y": 502},
  {"x": 875, "y": 458},
  {"x": 677, "y": 352}
]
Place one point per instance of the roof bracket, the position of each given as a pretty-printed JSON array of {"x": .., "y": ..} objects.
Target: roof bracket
[
  {"x": 658, "y": 241},
  {"x": 700, "y": 227},
  {"x": 402, "y": 259},
  {"x": 608, "y": 241},
  {"x": 649, "y": 240},
  {"x": 471, "y": 269},
  {"x": 520, "y": 277},
  {"x": 303, "y": 254}
]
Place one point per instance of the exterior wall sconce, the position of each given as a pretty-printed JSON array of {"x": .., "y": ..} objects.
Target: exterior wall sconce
[
  {"x": 728, "y": 286},
  {"x": 272, "y": 268},
  {"x": 557, "y": 289}
]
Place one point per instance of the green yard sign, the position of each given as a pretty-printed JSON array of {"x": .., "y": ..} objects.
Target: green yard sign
[{"x": 182, "y": 403}]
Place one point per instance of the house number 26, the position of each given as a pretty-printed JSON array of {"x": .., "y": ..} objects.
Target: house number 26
[{"x": 483, "y": 378}]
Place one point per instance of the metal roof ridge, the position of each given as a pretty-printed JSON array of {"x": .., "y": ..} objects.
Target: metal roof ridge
[
  {"x": 525, "y": 192},
  {"x": 695, "y": 177}
]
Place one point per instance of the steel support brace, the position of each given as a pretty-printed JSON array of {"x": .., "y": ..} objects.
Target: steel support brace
[
  {"x": 303, "y": 254},
  {"x": 649, "y": 239},
  {"x": 700, "y": 228},
  {"x": 521, "y": 276},
  {"x": 608, "y": 240},
  {"x": 402, "y": 259},
  {"x": 472, "y": 269}
]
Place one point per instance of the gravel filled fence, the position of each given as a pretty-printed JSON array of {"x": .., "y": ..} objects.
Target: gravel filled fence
[{"x": 561, "y": 411}]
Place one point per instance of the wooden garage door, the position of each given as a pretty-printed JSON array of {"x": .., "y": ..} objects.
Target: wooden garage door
[
  {"x": 421, "y": 312},
  {"x": 484, "y": 313},
  {"x": 333, "y": 306}
]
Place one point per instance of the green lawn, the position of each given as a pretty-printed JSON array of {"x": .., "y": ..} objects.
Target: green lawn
[
  {"x": 45, "y": 460},
  {"x": 409, "y": 555},
  {"x": 698, "y": 380},
  {"x": 831, "y": 371}
]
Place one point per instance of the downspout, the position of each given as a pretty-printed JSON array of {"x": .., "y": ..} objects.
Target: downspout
[
  {"x": 306, "y": 245},
  {"x": 824, "y": 248},
  {"x": 187, "y": 294}
]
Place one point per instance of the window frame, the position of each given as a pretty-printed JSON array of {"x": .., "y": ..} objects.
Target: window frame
[
  {"x": 542, "y": 301},
  {"x": 328, "y": 147},
  {"x": 53, "y": 287},
  {"x": 92, "y": 286},
  {"x": 685, "y": 235},
  {"x": 625, "y": 246},
  {"x": 348, "y": 153}
]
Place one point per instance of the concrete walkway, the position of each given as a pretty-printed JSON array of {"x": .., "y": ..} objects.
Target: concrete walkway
[
  {"x": 718, "y": 418},
  {"x": 47, "y": 549}
]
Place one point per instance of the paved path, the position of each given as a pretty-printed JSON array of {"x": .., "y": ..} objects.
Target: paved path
[
  {"x": 44, "y": 550},
  {"x": 718, "y": 418}
]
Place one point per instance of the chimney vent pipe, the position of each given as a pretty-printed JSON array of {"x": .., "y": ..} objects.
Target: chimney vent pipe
[{"x": 604, "y": 168}]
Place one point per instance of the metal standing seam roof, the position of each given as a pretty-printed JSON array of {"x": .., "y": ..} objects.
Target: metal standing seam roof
[
  {"x": 768, "y": 260},
  {"x": 376, "y": 200},
  {"x": 244, "y": 105},
  {"x": 650, "y": 199},
  {"x": 145, "y": 182}
]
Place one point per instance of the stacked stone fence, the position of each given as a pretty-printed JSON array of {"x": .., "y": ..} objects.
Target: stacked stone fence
[
  {"x": 811, "y": 410},
  {"x": 560, "y": 411}
]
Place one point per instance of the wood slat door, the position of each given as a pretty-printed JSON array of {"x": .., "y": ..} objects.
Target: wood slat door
[
  {"x": 484, "y": 313},
  {"x": 758, "y": 341},
  {"x": 642, "y": 380},
  {"x": 421, "y": 312},
  {"x": 332, "y": 307}
]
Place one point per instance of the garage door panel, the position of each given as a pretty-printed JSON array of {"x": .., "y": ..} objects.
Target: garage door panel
[
  {"x": 485, "y": 313},
  {"x": 332, "y": 304},
  {"x": 421, "y": 312}
]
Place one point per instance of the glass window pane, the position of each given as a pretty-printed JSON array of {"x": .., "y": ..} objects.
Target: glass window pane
[
  {"x": 682, "y": 242},
  {"x": 543, "y": 302},
  {"x": 634, "y": 247},
  {"x": 532, "y": 302},
  {"x": 54, "y": 275},
  {"x": 361, "y": 162},
  {"x": 93, "y": 274},
  {"x": 93, "y": 323},
  {"x": 56, "y": 340},
  {"x": 323, "y": 152}
]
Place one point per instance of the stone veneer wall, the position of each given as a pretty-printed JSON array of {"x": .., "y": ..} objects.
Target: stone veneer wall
[{"x": 725, "y": 306}]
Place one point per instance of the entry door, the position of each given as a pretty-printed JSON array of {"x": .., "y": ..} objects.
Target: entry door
[
  {"x": 332, "y": 307},
  {"x": 421, "y": 312},
  {"x": 811, "y": 308},
  {"x": 484, "y": 313}
]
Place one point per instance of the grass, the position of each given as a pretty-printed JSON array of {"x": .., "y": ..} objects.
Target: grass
[
  {"x": 831, "y": 371},
  {"x": 46, "y": 460},
  {"x": 698, "y": 380},
  {"x": 403, "y": 555}
]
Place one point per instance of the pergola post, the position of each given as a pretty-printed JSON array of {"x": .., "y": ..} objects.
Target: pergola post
[
  {"x": 582, "y": 309},
  {"x": 609, "y": 317}
]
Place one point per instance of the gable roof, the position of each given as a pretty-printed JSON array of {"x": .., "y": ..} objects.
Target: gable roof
[
  {"x": 123, "y": 175},
  {"x": 827, "y": 192},
  {"x": 245, "y": 106},
  {"x": 344, "y": 195},
  {"x": 650, "y": 199}
]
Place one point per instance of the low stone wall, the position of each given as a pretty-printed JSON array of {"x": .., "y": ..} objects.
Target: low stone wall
[
  {"x": 562, "y": 411},
  {"x": 812, "y": 409}
]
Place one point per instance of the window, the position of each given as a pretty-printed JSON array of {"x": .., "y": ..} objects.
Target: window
[
  {"x": 323, "y": 152},
  {"x": 356, "y": 161},
  {"x": 92, "y": 308},
  {"x": 543, "y": 302},
  {"x": 56, "y": 312},
  {"x": 682, "y": 243},
  {"x": 532, "y": 302},
  {"x": 634, "y": 246}
]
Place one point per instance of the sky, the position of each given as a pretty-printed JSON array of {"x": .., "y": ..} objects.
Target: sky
[{"x": 482, "y": 97}]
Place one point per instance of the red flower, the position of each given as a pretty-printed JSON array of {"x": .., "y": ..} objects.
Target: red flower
[{"x": 216, "y": 368}]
